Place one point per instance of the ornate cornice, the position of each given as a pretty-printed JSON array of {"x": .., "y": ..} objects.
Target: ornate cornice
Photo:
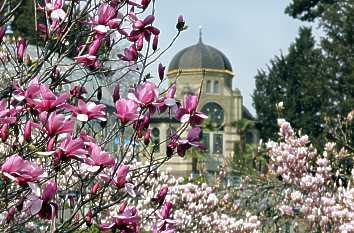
[{"x": 176, "y": 72}]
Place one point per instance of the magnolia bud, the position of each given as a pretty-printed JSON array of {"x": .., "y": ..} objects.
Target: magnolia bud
[
  {"x": 2, "y": 33},
  {"x": 147, "y": 137},
  {"x": 122, "y": 207},
  {"x": 88, "y": 218},
  {"x": 51, "y": 144},
  {"x": 146, "y": 121},
  {"x": 180, "y": 23},
  {"x": 155, "y": 42},
  {"x": 10, "y": 214},
  {"x": 161, "y": 71},
  {"x": 170, "y": 149},
  {"x": 21, "y": 46},
  {"x": 95, "y": 188},
  {"x": 4, "y": 133},
  {"x": 139, "y": 45},
  {"x": 28, "y": 60},
  {"x": 99, "y": 93},
  {"x": 161, "y": 196},
  {"x": 116, "y": 93},
  {"x": 27, "y": 131}
]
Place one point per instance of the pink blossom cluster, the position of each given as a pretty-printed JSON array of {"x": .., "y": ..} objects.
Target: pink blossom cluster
[
  {"x": 316, "y": 191},
  {"x": 197, "y": 208}
]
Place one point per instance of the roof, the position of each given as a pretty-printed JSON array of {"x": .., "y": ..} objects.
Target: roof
[{"x": 200, "y": 56}]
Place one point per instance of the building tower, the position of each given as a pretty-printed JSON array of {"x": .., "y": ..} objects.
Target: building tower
[{"x": 204, "y": 69}]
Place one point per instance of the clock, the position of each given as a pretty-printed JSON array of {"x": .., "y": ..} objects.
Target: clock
[{"x": 214, "y": 112}]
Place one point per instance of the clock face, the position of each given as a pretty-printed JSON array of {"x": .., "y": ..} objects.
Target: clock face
[{"x": 214, "y": 112}]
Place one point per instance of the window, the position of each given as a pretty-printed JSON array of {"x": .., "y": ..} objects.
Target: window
[
  {"x": 206, "y": 141},
  {"x": 155, "y": 138},
  {"x": 212, "y": 86},
  {"x": 208, "y": 86},
  {"x": 170, "y": 133},
  {"x": 218, "y": 144},
  {"x": 216, "y": 87},
  {"x": 215, "y": 113}
]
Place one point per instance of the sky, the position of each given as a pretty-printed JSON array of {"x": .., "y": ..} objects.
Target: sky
[{"x": 248, "y": 32}]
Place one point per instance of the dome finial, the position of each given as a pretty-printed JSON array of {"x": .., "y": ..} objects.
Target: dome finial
[{"x": 200, "y": 33}]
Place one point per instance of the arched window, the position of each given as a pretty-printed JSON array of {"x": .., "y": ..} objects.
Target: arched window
[
  {"x": 216, "y": 87},
  {"x": 170, "y": 133},
  {"x": 208, "y": 86},
  {"x": 215, "y": 113},
  {"x": 155, "y": 138}
]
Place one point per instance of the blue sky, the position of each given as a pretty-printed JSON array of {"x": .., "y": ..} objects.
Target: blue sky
[{"x": 248, "y": 32}]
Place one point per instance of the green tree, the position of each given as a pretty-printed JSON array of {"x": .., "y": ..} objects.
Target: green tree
[
  {"x": 336, "y": 21},
  {"x": 309, "y": 10},
  {"x": 299, "y": 80},
  {"x": 24, "y": 20}
]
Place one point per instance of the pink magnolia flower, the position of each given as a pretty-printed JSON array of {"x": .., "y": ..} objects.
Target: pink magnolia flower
[
  {"x": 43, "y": 99},
  {"x": 89, "y": 111},
  {"x": 142, "y": 124},
  {"x": 21, "y": 46},
  {"x": 107, "y": 18},
  {"x": 127, "y": 221},
  {"x": 40, "y": 203},
  {"x": 166, "y": 224},
  {"x": 142, "y": 30},
  {"x": 160, "y": 198},
  {"x": 169, "y": 100},
  {"x": 89, "y": 60},
  {"x": 192, "y": 140},
  {"x": 187, "y": 112},
  {"x": 56, "y": 123},
  {"x": 98, "y": 157},
  {"x": 20, "y": 170},
  {"x": 127, "y": 110},
  {"x": 7, "y": 115},
  {"x": 145, "y": 94},
  {"x": 130, "y": 54},
  {"x": 31, "y": 92},
  {"x": 77, "y": 91},
  {"x": 55, "y": 9},
  {"x": 120, "y": 177},
  {"x": 95, "y": 45},
  {"x": 140, "y": 3},
  {"x": 71, "y": 148}
]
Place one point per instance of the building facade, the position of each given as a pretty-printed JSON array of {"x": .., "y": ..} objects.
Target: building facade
[{"x": 203, "y": 69}]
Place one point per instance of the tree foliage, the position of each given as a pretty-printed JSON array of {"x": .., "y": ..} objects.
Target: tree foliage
[
  {"x": 299, "y": 82},
  {"x": 308, "y": 10},
  {"x": 23, "y": 22},
  {"x": 336, "y": 22}
]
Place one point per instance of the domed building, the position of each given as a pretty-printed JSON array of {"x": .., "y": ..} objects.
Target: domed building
[{"x": 204, "y": 69}]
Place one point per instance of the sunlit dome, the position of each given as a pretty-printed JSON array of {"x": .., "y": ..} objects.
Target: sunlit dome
[{"x": 200, "y": 56}]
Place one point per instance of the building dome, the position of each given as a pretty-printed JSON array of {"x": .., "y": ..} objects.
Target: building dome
[{"x": 200, "y": 56}]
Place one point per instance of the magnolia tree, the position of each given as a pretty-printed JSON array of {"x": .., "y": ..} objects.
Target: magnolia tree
[
  {"x": 306, "y": 189},
  {"x": 55, "y": 172}
]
